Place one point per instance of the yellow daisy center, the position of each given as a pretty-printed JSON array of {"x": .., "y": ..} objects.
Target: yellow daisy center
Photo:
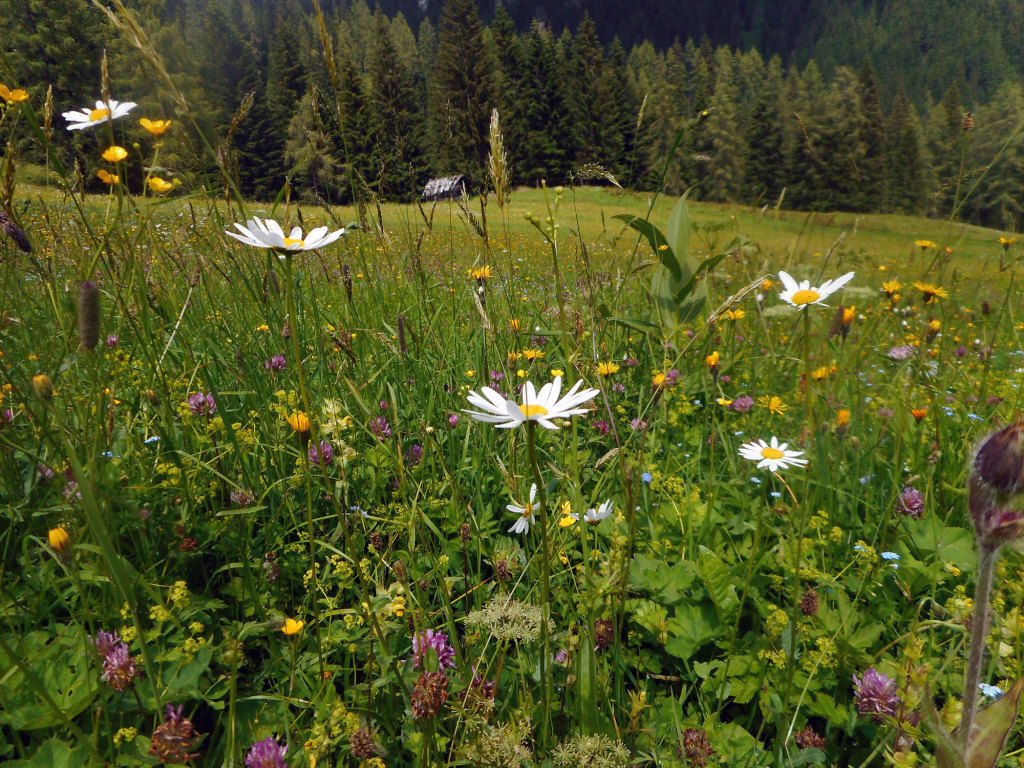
[
  {"x": 528, "y": 512},
  {"x": 98, "y": 114},
  {"x": 533, "y": 410},
  {"x": 771, "y": 453},
  {"x": 288, "y": 241},
  {"x": 807, "y": 296}
]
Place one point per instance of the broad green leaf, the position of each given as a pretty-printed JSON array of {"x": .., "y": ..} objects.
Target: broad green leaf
[
  {"x": 693, "y": 627},
  {"x": 656, "y": 239},
  {"x": 719, "y": 581},
  {"x": 53, "y": 753},
  {"x": 678, "y": 236},
  {"x": 586, "y": 668},
  {"x": 991, "y": 727}
]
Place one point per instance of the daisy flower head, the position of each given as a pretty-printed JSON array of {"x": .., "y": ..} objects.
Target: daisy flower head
[
  {"x": 802, "y": 294},
  {"x": 87, "y": 118},
  {"x": 774, "y": 455},
  {"x": 525, "y": 513},
  {"x": 267, "y": 233},
  {"x": 595, "y": 516},
  {"x": 542, "y": 407}
]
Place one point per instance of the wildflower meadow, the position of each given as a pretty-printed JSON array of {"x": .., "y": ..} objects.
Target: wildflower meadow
[{"x": 564, "y": 476}]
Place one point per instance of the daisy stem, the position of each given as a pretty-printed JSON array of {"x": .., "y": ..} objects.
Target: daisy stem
[
  {"x": 545, "y": 669},
  {"x": 979, "y": 628},
  {"x": 293, "y": 319}
]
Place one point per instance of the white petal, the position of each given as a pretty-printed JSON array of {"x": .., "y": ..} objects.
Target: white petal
[{"x": 788, "y": 283}]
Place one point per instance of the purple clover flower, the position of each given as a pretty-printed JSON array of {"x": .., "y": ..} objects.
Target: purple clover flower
[
  {"x": 742, "y": 404},
  {"x": 276, "y": 364},
  {"x": 875, "y": 694},
  {"x": 911, "y": 502},
  {"x": 267, "y": 754},
  {"x": 113, "y": 340},
  {"x": 414, "y": 454},
  {"x": 380, "y": 428},
  {"x": 602, "y": 427},
  {"x": 118, "y": 665},
  {"x": 201, "y": 404},
  {"x": 105, "y": 642},
  {"x": 324, "y": 457},
  {"x": 453, "y": 420},
  {"x": 436, "y": 641},
  {"x": 901, "y": 353}
]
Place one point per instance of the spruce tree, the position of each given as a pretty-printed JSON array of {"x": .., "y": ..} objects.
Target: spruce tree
[
  {"x": 399, "y": 161},
  {"x": 872, "y": 136},
  {"x": 905, "y": 190},
  {"x": 766, "y": 141},
  {"x": 509, "y": 85},
  {"x": 463, "y": 91},
  {"x": 722, "y": 173},
  {"x": 548, "y": 136}
]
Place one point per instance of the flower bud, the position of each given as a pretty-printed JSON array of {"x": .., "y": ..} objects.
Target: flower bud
[
  {"x": 89, "y": 315},
  {"x": 999, "y": 462},
  {"x": 60, "y": 542},
  {"x": 43, "y": 386}
]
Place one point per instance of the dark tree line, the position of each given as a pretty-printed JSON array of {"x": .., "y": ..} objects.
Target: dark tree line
[{"x": 407, "y": 104}]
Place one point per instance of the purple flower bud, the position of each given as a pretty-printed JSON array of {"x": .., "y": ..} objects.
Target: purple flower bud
[
  {"x": 267, "y": 754},
  {"x": 380, "y": 428},
  {"x": 201, "y": 404},
  {"x": 453, "y": 420},
  {"x": 602, "y": 427},
  {"x": 112, "y": 340},
  {"x": 414, "y": 454},
  {"x": 322, "y": 455},
  {"x": 875, "y": 694},
  {"x": 742, "y": 404},
  {"x": 911, "y": 502},
  {"x": 276, "y": 363}
]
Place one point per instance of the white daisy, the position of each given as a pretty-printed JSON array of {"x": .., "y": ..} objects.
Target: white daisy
[
  {"x": 773, "y": 456},
  {"x": 802, "y": 294},
  {"x": 522, "y": 525},
  {"x": 267, "y": 233},
  {"x": 86, "y": 118},
  {"x": 542, "y": 407},
  {"x": 595, "y": 516}
]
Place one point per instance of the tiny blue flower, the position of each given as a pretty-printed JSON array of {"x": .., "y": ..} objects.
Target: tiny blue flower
[
  {"x": 992, "y": 691},
  {"x": 890, "y": 556},
  {"x": 974, "y": 417},
  {"x": 696, "y": 402},
  {"x": 151, "y": 440},
  {"x": 866, "y": 479},
  {"x": 756, "y": 480},
  {"x": 775, "y": 494},
  {"x": 858, "y": 547},
  {"x": 738, "y": 433},
  {"x": 107, "y": 455},
  {"x": 646, "y": 477}
]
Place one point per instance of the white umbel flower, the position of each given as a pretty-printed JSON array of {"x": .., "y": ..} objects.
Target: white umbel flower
[
  {"x": 526, "y": 518},
  {"x": 595, "y": 516},
  {"x": 802, "y": 294},
  {"x": 267, "y": 233},
  {"x": 773, "y": 455},
  {"x": 86, "y": 118},
  {"x": 543, "y": 406}
]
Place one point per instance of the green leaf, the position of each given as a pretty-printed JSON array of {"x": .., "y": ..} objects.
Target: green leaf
[
  {"x": 643, "y": 326},
  {"x": 719, "y": 581},
  {"x": 806, "y": 757},
  {"x": 53, "y": 753},
  {"x": 991, "y": 727},
  {"x": 656, "y": 239},
  {"x": 678, "y": 235},
  {"x": 693, "y": 627}
]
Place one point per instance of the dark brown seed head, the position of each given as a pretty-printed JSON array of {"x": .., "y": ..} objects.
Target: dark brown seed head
[
  {"x": 89, "y": 315},
  {"x": 809, "y": 603}
]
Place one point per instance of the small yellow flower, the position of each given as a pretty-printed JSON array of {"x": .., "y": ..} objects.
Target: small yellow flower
[
  {"x": 767, "y": 285},
  {"x": 155, "y": 127},
  {"x": 298, "y": 421},
  {"x": 292, "y": 627},
  {"x": 158, "y": 185},
  {"x": 663, "y": 247},
  {"x": 607, "y": 369},
  {"x": 513, "y": 357},
  {"x": 724, "y": 401},
  {"x": 890, "y": 287},
  {"x": 934, "y": 326},
  {"x": 563, "y": 557},
  {"x": 735, "y": 314},
  {"x": 1006, "y": 242},
  {"x": 12, "y": 96},
  {"x": 842, "y": 419},
  {"x": 60, "y": 542},
  {"x": 481, "y": 273},
  {"x": 115, "y": 154},
  {"x": 514, "y": 324},
  {"x": 712, "y": 360},
  {"x": 848, "y": 314},
  {"x": 263, "y": 327},
  {"x": 925, "y": 244},
  {"x": 820, "y": 373},
  {"x": 930, "y": 292},
  {"x": 774, "y": 403},
  {"x": 918, "y": 413},
  {"x": 108, "y": 178},
  {"x": 557, "y": 372},
  {"x": 521, "y": 373},
  {"x": 471, "y": 373},
  {"x": 532, "y": 354}
]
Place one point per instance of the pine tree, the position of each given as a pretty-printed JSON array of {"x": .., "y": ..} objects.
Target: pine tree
[
  {"x": 905, "y": 189},
  {"x": 509, "y": 84},
  {"x": 946, "y": 145},
  {"x": 547, "y": 144},
  {"x": 399, "y": 159},
  {"x": 590, "y": 99},
  {"x": 722, "y": 173},
  {"x": 872, "y": 136},
  {"x": 766, "y": 141},
  {"x": 995, "y": 197},
  {"x": 463, "y": 91}
]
